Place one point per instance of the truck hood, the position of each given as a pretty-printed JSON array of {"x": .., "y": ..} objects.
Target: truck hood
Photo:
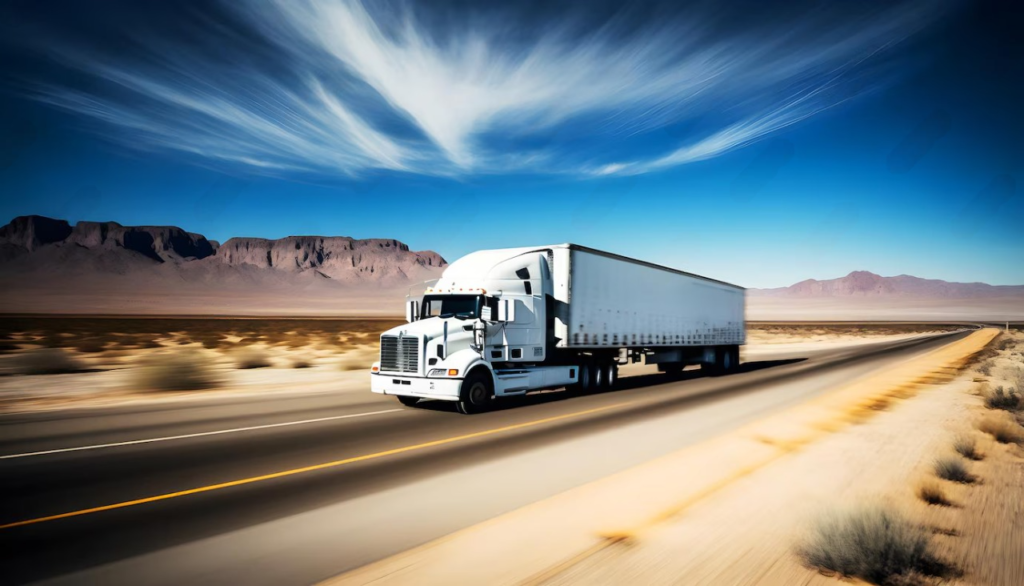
[{"x": 432, "y": 329}]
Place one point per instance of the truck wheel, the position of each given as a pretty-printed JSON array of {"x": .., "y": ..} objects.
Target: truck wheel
[
  {"x": 597, "y": 375},
  {"x": 611, "y": 375},
  {"x": 589, "y": 372},
  {"x": 477, "y": 389},
  {"x": 408, "y": 401},
  {"x": 584, "y": 381}
]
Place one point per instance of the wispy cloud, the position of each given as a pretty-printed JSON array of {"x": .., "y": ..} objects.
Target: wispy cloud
[{"x": 333, "y": 86}]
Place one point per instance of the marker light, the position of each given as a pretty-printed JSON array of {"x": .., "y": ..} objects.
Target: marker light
[
  {"x": 375, "y": 369},
  {"x": 453, "y": 372},
  {"x": 480, "y": 290}
]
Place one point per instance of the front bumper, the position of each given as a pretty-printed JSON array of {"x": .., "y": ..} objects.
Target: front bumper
[{"x": 443, "y": 388}]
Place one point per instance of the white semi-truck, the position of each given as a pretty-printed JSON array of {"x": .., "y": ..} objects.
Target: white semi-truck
[{"x": 506, "y": 322}]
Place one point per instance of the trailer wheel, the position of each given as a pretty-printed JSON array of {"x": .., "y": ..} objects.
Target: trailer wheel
[
  {"x": 734, "y": 358},
  {"x": 597, "y": 375},
  {"x": 726, "y": 360},
  {"x": 407, "y": 401},
  {"x": 477, "y": 389}
]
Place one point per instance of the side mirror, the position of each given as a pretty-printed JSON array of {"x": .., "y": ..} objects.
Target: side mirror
[
  {"x": 506, "y": 310},
  {"x": 412, "y": 310}
]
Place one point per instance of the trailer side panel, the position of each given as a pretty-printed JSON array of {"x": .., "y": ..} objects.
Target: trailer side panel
[{"x": 617, "y": 302}]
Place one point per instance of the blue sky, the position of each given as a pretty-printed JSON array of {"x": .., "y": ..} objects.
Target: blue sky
[{"x": 753, "y": 144}]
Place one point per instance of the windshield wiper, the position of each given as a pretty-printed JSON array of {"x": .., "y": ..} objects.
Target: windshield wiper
[{"x": 464, "y": 315}]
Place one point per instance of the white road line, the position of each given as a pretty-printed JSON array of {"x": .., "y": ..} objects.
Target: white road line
[{"x": 191, "y": 435}]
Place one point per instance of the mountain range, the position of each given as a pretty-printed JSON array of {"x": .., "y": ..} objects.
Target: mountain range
[
  {"x": 867, "y": 284},
  {"x": 49, "y": 266}
]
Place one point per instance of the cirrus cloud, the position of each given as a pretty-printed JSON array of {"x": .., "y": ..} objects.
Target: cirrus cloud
[{"x": 338, "y": 87}]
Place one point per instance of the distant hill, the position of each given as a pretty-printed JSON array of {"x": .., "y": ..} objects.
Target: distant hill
[
  {"x": 869, "y": 285},
  {"x": 49, "y": 266}
]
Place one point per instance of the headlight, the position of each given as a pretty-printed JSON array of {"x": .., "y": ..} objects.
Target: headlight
[{"x": 443, "y": 372}]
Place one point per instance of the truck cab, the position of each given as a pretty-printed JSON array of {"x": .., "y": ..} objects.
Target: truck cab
[{"x": 485, "y": 317}]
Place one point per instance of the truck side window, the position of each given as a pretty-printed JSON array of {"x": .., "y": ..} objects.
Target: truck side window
[{"x": 430, "y": 309}]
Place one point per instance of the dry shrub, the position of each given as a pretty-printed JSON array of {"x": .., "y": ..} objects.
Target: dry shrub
[
  {"x": 1007, "y": 400},
  {"x": 176, "y": 370},
  {"x": 966, "y": 447},
  {"x": 360, "y": 359},
  {"x": 873, "y": 544},
  {"x": 953, "y": 469},
  {"x": 1004, "y": 432},
  {"x": 47, "y": 361},
  {"x": 1017, "y": 379},
  {"x": 985, "y": 369},
  {"x": 248, "y": 358},
  {"x": 931, "y": 492},
  {"x": 301, "y": 363}
]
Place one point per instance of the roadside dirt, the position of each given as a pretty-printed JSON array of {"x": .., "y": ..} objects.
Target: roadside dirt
[
  {"x": 51, "y": 363},
  {"x": 747, "y": 533},
  {"x": 733, "y": 510}
]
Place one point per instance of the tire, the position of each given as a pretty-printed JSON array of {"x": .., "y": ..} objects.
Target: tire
[
  {"x": 712, "y": 368},
  {"x": 728, "y": 361},
  {"x": 477, "y": 389},
  {"x": 597, "y": 376},
  {"x": 734, "y": 355},
  {"x": 587, "y": 381},
  {"x": 611, "y": 375},
  {"x": 407, "y": 401},
  {"x": 584, "y": 381}
]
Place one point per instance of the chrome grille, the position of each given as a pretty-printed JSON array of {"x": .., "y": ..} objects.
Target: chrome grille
[{"x": 399, "y": 354}]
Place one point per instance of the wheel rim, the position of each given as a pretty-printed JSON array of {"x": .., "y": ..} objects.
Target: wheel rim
[{"x": 478, "y": 394}]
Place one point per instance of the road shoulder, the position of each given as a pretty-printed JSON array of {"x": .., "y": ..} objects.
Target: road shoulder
[{"x": 563, "y": 534}]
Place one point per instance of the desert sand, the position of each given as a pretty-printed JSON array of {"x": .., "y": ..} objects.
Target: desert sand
[
  {"x": 749, "y": 532},
  {"x": 738, "y": 509}
]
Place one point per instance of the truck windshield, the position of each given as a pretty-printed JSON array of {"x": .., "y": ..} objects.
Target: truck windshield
[{"x": 445, "y": 306}]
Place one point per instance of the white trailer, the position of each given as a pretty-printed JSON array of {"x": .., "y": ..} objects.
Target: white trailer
[{"x": 510, "y": 321}]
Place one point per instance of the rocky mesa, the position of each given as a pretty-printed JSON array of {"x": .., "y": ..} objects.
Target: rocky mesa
[{"x": 50, "y": 266}]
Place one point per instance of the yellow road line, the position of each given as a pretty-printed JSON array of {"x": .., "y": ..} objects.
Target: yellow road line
[{"x": 313, "y": 468}]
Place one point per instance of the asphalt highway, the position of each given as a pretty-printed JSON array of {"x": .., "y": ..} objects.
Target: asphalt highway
[{"x": 294, "y": 489}]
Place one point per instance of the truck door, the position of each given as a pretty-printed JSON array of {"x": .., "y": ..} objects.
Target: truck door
[{"x": 525, "y": 337}]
